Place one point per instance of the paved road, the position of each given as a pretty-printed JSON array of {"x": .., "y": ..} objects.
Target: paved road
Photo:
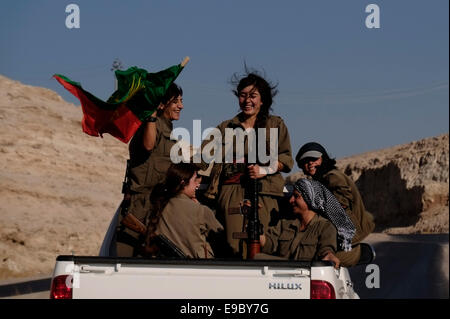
[
  {"x": 411, "y": 266},
  {"x": 31, "y": 288}
]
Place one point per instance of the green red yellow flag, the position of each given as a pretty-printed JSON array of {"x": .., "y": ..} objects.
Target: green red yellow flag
[{"x": 137, "y": 96}]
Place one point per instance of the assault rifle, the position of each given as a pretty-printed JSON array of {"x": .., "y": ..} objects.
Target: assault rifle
[{"x": 253, "y": 227}]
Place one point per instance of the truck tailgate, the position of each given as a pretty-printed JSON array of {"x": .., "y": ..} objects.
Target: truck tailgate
[{"x": 97, "y": 277}]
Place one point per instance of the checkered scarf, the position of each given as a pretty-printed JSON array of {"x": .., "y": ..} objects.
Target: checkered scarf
[{"x": 320, "y": 199}]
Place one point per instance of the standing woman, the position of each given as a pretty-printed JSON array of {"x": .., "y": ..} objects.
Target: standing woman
[
  {"x": 177, "y": 214},
  {"x": 149, "y": 161},
  {"x": 229, "y": 181},
  {"x": 313, "y": 159}
]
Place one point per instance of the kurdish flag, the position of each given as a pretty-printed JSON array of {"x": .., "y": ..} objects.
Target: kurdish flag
[{"x": 137, "y": 96}]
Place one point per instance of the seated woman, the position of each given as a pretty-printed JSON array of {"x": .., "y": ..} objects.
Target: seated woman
[
  {"x": 309, "y": 236},
  {"x": 314, "y": 160},
  {"x": 178, "y": 215}
]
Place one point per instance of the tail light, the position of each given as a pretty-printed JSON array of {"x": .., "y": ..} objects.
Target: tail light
[
  {"x": 321, "y": 289},
  {"x": 61, "y": 287}
]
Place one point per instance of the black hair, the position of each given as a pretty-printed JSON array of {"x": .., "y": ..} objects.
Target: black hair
[
  {"x": 266, "y": 89},
  {"x": 177, "y": 178},
  {"x": 172, "y": 92}
]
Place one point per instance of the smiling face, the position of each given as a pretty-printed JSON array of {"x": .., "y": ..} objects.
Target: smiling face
[
  {"x": 190, "y": 189},
  {"x": 173, "y": 108},
  {"x": 298, "y": 204},
  {"x": 310, "y": 165},
  {"x": 250, "y": 101}
]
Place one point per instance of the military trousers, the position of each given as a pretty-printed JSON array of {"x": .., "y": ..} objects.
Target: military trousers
[{"x": 129, "y": 242}]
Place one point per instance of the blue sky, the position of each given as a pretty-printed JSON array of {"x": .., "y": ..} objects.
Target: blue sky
[{"x": 351, "y": 88}]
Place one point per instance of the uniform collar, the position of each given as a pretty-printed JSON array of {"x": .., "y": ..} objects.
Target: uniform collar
[
  {"x": 183, "y": 196},
  {"x": 296, "y": 223},
  {"x": 314, "y": 220},
  {"x": 235, "y": 121}
]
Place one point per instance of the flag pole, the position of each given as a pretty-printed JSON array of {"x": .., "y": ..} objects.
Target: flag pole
[
  {"x": 117, "y": 65},
  {"x": 185, "y": 61}
]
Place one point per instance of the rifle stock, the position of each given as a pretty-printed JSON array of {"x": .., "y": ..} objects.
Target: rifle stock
[{"x": 130, "y": 221}]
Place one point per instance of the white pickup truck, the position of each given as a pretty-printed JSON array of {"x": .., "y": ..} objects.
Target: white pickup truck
[
  {"x": 83, "y": 277},
  {"x": 87, "y": 277}
]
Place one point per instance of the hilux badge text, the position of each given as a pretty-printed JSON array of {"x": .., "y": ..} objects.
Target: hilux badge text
[{"x": 279, "y": 285}]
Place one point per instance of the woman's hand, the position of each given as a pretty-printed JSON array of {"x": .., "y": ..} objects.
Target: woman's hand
[
  {"x": 262, "y": 240},
  {"x": 246, "y": 205},
  {"x": 256, "y": 172},
  {"x": 331, "y": 257}
]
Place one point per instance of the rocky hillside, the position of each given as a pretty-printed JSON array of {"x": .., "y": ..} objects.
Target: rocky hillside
[
  {"x": 406, "y": 187},
  {"x": 58, "y": 186}
]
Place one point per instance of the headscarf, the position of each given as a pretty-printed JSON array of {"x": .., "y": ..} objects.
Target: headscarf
[{"x": 320, "y": 199}]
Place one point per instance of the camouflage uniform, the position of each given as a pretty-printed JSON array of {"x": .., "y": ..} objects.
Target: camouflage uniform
[
  {"x": 346, "y": 192},
  {"x": 230, "y": 195},
  {"x": 147, "y": 168},
  {"x": 187, "y": 224},
  {"x": 288, "y": 241}
]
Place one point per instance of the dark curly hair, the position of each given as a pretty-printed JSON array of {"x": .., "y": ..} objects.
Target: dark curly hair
[{"x": 265, "y": 89}]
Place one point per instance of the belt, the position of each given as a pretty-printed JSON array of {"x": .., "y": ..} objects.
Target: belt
[{"x": 234, "y": 179}]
